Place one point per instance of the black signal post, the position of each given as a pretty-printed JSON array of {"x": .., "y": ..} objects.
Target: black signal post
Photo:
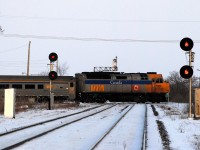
[
  {"x": 186, "y": 71},
  {"x": 52, "y": 76}
]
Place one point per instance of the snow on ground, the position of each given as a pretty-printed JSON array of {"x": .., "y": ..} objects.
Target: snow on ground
[
  {"x": 153, "y": 136},
  {"x": 75, "y": 136},
  {"x": 184, "y": 133},
  {"x": 38, "y": 115},
  {"x": 128, "y": 134}
]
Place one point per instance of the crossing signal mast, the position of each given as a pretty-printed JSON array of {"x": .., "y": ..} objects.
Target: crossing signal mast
[
  {"x": 52, "y": 76},
  {"x": 186, "y": 71}
]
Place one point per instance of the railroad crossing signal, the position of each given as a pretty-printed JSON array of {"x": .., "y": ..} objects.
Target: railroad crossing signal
[
  {"x": 53, "y": 75},
  {"x": 186, "y": 44},
  {"x": 186, "y": 72}
]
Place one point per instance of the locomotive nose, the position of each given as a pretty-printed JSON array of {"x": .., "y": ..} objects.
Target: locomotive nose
[{"x": 165, "y": 87}]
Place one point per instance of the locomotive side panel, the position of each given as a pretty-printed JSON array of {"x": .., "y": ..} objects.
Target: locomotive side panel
[{"x": 138, "y": 87}]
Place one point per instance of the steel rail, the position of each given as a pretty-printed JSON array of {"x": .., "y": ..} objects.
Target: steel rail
[
  {"x": 145, "y": 130},
  {"x": 46, "y": 121},
  {"x": 50, "y": 130},
  {"x": 110, "y": 129}
]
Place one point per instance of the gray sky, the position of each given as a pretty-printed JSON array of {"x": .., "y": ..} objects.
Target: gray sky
[{"x": 148, "y": 34}]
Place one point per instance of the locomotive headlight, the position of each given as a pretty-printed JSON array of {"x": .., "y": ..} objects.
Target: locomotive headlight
[{"x": 66, "y": 88}]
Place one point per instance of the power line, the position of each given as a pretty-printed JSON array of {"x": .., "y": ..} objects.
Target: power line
[
  {"x": 92, "y": 39},
  {"x": 102, "y": 19},
  {"x": 12, "y": 49}
]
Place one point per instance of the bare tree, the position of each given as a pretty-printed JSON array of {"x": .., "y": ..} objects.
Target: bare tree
[
  {"x": 44, "y": 73},
  {"x": 62, "y": 69},
  {"x": 179, "y": 87}
]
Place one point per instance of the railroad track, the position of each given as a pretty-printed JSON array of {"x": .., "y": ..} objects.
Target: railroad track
[
  {"x": 49, "y": 120},
  {"x": 33, "y": 131},
  {"x": 120, "y": 119},
  {"x": 111, "y": 128}
]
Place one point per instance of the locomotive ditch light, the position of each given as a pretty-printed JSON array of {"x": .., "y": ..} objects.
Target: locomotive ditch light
[
  {"x": 53, "y": 75},
  {"x": 186, "y": 44},
  {"x": 186, "y": 72},
  {"x": 53, "y": 57}
]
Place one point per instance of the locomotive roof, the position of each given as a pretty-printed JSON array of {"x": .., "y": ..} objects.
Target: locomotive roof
[
  {"x": 108, "y": 75},
  {"x": 116, "y": 73}
]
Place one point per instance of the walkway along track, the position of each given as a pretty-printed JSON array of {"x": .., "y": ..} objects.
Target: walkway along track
[{"x": 15, "y": 133}]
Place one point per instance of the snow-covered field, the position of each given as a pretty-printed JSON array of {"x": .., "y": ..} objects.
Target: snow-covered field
[{"x": 184, "y": 134}]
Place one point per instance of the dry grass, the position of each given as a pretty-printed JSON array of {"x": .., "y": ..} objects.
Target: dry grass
[{"x": 24, "y": 104}]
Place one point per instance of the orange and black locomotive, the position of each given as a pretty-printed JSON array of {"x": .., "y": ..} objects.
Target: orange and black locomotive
[{"x": 117, "y": 86}]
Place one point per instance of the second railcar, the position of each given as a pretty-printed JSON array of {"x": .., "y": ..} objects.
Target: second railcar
[{"x": 38, "y": 87}]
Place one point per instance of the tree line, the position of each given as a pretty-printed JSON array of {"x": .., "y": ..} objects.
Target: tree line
[{"x": 179, "y": 87}]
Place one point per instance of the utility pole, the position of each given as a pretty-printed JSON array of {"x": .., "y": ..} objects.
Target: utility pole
[{"x": 28, "y": 62}]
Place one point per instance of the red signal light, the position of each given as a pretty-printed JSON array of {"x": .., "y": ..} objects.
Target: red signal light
[
  {"x": 53, "y": 75},
  {"x": 53, "y": 56},
  {"x": 186, "y": 44},
  {"x": 186, "y": 72}
]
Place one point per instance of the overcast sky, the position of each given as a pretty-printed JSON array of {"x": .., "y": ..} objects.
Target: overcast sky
[{"x": 144, "y": 35}]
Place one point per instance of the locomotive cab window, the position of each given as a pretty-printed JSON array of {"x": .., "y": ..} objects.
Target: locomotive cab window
[{"x": 159, "y": 80}]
